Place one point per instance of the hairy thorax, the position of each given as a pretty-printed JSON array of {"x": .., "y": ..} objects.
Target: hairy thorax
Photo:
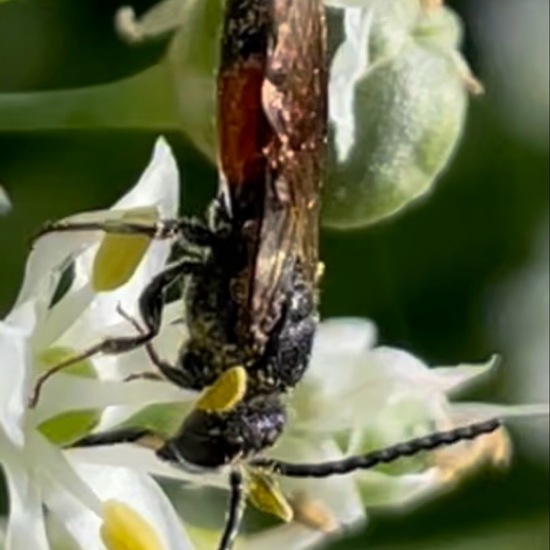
[{"x": 219, "y": 335}]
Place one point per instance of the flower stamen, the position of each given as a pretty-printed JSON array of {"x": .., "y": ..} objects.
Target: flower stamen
[{"x": 125, "y": 529}]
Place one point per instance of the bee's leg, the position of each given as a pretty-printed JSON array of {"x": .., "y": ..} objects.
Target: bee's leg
[
  {"x": 382, "y": 456},
  {"x": 140, "y": 436},
  {"x": 190, "y": 230},
  {"x": 234, "y": 512},
  {"x": 167, "y": 371},
  {"x": 151, "y": 303},
  {"x": 145, "y": 375}
]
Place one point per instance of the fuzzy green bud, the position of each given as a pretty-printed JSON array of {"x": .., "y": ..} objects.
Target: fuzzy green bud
[{"x": 397, "y": 109}]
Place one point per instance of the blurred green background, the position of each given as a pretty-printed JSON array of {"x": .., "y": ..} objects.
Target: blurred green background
[{"x": 455, "y": 278}]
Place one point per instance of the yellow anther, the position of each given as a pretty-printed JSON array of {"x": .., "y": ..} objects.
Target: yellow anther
[
  {"x": 455, "y": 462},
  {"x": 119, "y": 256},
  {"x": 313, "y": 514},
  {"x": 226, "y": 392},
  {"x": 124, "y": 529},
  {"x": 265, "y": 494}
]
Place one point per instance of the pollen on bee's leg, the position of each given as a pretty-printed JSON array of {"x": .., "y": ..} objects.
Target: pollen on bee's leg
[
  {"x": 226, "y": 392},
  {"x": 125, "y": 529},
  {"x": 265, "y": 494}
]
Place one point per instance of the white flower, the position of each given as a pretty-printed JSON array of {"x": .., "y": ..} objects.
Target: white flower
[
  {"x": 354, "y": 398},
  {"x": 37, "y": 472},
  {"x": 371, "y": 397}
]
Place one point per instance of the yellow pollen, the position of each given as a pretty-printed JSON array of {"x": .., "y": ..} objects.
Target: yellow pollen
[
  {"x": 226, "y": 392},
  {"x": 124, "y": 529},
  {"x": 265, "y": 494}
]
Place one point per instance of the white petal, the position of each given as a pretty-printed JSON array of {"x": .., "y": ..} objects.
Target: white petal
[
  {"x": 453, "y": 379},
  {"x": 479, "y": 412},
  {"x": 158, "y": 185},
  {"x": 144, "y": 461},
  {"x": 337, "y": 371},
  {"x": 49, "y": 255},
  {"x": 325, "y": 409},
  {"x": 62, "y": 317},
  {"x": 381, "y": 489},
  {"x": 59, "y": 472},
  {"x": 173, "y": 333},
  {"x": 338, "y": 493},
  {"x": 343, "y": 335},
  {"x": 349, "y": 65},
  {"x": 136, "y": 490},
  {"x": 100, "y": 319},
  {"x": 15, "y": 356},
  {"x": 25, "y": 527},
  {"x": 400, "y": 365},
  {"x": 119, "y": 367},
  {"x": 404, "y": 419},
  {"x": 65, "y": 393},
  {"x": 407, "y": 371}
]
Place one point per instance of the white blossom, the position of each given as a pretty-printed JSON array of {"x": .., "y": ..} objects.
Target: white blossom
[
  {"x": 37, "y": 472},
  {"x": 355, "y": 397}
]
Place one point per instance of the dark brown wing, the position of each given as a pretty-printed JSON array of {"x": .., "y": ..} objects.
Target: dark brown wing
[
  {"x": 243, "y": 135},
  {"x": 294, "y": 98},
  {"x": 243, "y": 130}
]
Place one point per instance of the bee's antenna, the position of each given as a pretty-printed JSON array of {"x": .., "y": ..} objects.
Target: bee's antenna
[
  {"x": 382, "y": 456},
  {"x": 235, "y": 511}
]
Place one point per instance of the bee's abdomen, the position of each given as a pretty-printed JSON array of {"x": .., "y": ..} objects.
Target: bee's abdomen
[{"x": 286, "y": 356}]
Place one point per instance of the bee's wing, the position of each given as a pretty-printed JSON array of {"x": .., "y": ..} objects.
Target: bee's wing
[{"x": 294, "y": 97}]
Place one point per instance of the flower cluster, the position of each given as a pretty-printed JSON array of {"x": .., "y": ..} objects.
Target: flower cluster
[{"x": 355, "y": 397}]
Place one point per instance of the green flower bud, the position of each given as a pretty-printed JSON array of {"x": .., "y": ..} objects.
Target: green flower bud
[{"x": 397, "y": 109}]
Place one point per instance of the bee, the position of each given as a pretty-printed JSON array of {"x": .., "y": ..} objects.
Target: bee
[{"x": 251, "y": 296}]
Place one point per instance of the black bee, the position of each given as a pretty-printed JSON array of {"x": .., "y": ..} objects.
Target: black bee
[{"x": 251, "y": 295}]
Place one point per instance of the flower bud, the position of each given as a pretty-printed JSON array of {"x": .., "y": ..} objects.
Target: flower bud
[{"x": 398, "y": 103}]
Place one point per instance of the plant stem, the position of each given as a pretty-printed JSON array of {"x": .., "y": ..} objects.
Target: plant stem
[{"x": 144, "y": 101}]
